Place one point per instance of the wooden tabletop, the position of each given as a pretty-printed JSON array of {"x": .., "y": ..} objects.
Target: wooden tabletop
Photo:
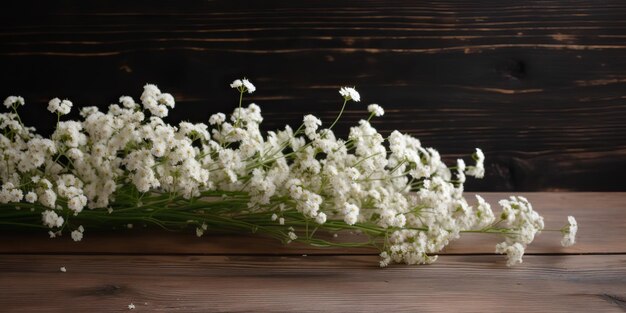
[{"x": 171, "y": 272}]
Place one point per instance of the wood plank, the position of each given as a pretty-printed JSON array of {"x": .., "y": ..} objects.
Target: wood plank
[
  {"x": 601, "y": 218},
  {"x": 539, "y": 86},
  {"x": 33, "y": 283}
]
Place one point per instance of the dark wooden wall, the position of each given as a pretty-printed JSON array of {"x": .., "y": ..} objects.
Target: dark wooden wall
[{"x": 539, "y": 85}]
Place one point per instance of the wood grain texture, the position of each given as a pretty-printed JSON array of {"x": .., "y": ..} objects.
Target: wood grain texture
[
  {"x": 34, "y": 283},
  {"x": 601, "y": 217},
  {"x": 540, "y": 86},
  {"x": 105, "y": 273}
]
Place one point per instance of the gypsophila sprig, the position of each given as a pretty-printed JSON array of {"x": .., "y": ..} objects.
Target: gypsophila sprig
[
  {"x": 375, "y": 109},
  {"x": 126, "y": 166},
  {"x": 349, "y": 93},
  {"x": 13, "y": 102},
  {"x": 569, "y": 232},
  {"x": 59, "y": 106},
  {"x": 243, "y": 85}
]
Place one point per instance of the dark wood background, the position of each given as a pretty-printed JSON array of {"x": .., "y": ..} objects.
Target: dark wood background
[{"x": 539, "y": 85}]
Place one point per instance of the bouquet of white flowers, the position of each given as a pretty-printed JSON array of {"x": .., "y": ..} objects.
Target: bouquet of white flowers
[{"x": 128, "y": 166}]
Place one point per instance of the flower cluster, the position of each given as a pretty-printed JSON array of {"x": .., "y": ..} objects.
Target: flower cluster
[
  {"x": 127, "y": 165},
  {"x": 59, "y": 106}
]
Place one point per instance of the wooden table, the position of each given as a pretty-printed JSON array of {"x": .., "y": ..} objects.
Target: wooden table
[{"x": 181, "y": 273}]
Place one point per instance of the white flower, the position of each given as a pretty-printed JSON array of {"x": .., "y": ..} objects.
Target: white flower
[
  {"x": 156, "y": 102},
  {"x": 60, "y": 107},
  {"x": 249, "y": 86},
  {"x": 292, "y": 236},
  {"x": 13, "y": 101},
  {"x": 484, "y": 214},
  {"x": 30, "y": 197},
  {"x": 236, "y": 83},
  {"x": 77, "y": 235},
  {"x": 217, "y": 119},
  {"x": 77, "y": 203},
  {"x": 128, "y": 102},
  {"x": 460, "y": 165},
  {"x": 513, "y": 252},
  {"x": 150, "y": 91},
  {"x": 375, "y": 109},
  {"x": 320, "y": 218},
  {"x": 311, "y": 123},
  {"x": 385, "y": 259},
  {"x": 569, "y": 232},
  {"x": 478, "y": 170},
  {"x": 131, "y": 306},
  {"x": 350, "y": 93},
  {"x": 351, "y": 213},
  {"x": 166, "y": 99},
  {"x": 51, "y": 219},
  {"x": 243, "y": 85},
  {"x": 63, "y": 269}
]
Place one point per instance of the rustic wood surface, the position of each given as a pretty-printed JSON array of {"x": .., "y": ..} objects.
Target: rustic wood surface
[
  {"x": 539, "y": 85},
  {"x": 162, "y": 272},
  {"x": 587, "y": 283}
]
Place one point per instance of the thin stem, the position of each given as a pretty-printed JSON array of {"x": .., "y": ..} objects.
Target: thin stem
[
  {"x": 343, "y": 107},
  {"x": 240, "y": 100}
]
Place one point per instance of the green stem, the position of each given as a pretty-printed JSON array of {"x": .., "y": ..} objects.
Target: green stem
[
  {"x": 343, "y": 107},
  {"x": 240, "y": 100}
]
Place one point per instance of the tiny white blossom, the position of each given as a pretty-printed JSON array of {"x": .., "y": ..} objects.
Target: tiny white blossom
[
  {"x": 243, "y": 85},
  {"x": 59, "y": 106},
  {"x": 30, "y": 197},
  {"x": 128, "y": 102},
  {"x": 375, "y": 109},
  {"x": 13, "y": 101},
  {"x": 385, "y": 259},
  {"x": 236, "y": 83},
  {"x": 292, "y": 235},
  {"x": 311, "y": 123},
  {"x": 63, "y": 269},
  {"x": 478, "y": 170},
  {"x": 77, "y": 235},
  {"x": 513, "y": 252},
  {"x": 320, "y": 218},
  {"x": 351, "y": 213},
  {"x": 217, "y": 119},
  {"x": 569, "y": 232},
  {"x": 166, "y": 99},
  {"x": 131, "y": 306},
  {"x": 249, "y": 86},
  {"x": 350, "y": 93},
  {"x": 460, "y": 165},
  {"x": 52, "y": 219}
]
